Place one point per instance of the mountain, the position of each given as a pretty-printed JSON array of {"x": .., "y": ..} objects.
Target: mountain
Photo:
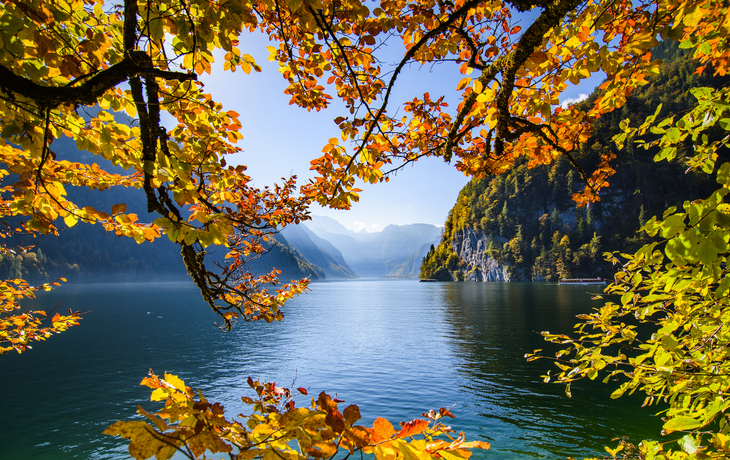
[
  {"x": 323, "y": 224},
  {"x": 328, "y": 247},
  {"x": 375, "y": 255},
  {"x": 302, "y": 240},
  {"x": 87, "y": 253},
  {"x": 410, "y": 268},
  {"x": 523, "y": 225},
  {"x": 285, "y": 257}
]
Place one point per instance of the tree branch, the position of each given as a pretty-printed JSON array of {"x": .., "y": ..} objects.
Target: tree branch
[
  {"x": 509, "y": 64},
  {"x": 88, "y": 93}
]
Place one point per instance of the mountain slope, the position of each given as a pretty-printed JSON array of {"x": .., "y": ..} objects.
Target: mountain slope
[
  {"x": 328, "y": 247},
  {"x": 374, "y": 255},
  {"x": 410, "y": 268},
  {"x": 87, "y": 253},
  {"x": 523, "y": 225},
  {"x": 299, "y": 237}
]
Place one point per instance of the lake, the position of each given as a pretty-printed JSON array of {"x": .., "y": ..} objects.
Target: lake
[{"x": 394, "y": 348}]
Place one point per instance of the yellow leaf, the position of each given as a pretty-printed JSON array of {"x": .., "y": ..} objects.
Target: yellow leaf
[
  {"x": 573, "y": 42},
  {"x": 464, "y": 83},
  {"x": 70, "y": 220},
  {"x": 117, "y": 208},
  {"x": 175, "y": 381},
  {"x": 159, "y": 395}
]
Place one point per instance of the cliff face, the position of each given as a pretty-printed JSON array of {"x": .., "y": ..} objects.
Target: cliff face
[{"x": 471, "y": 246}]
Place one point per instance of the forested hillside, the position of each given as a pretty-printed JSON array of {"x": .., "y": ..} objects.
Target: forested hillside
[
  {"x": 523, "y": 225},
  {"x": 86, "y": 253}
]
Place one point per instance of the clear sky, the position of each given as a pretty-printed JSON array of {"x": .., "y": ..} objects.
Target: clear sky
[{"x": 280, "y": 140}]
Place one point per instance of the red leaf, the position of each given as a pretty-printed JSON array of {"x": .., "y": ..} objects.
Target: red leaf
[{"x": 302, "y": 391}]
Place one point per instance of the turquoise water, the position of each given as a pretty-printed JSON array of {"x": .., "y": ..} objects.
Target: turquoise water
[{"x": 394, "y": 348}]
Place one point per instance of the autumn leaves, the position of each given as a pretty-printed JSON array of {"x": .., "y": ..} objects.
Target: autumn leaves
[{"x": 278, "y": 429}]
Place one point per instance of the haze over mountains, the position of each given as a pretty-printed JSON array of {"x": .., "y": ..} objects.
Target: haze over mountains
[
  {"x": 320, "y": 249},
  {"x": 389, "y": 253}
]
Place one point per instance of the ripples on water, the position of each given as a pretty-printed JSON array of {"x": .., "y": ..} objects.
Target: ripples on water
[{"x": 395, "y": 348}]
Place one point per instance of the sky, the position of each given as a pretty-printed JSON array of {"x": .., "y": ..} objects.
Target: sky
[{"x": 281, "y": 139}]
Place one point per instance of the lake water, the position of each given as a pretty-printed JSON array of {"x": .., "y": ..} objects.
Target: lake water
[{"x": 394, "y": 348}]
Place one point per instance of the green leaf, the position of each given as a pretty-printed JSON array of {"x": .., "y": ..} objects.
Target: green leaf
[
  {"x": 620, "y": 390},
  {"x": 669, "y": 342},
  {"x": 681, "y": 423},
  {"x": 156, "y": 28},
  {"x": 705, "y": 48},
  {"x": 163, "y": 222},
  {"x": 723, "y": 174},
  {"x": 10, "y": 130},
  {"x": 673, "y": 225},
  {"x": 706, "y": 251},
  {"x": 672, "y": 250},
  {"x": 688, "y": 444}
]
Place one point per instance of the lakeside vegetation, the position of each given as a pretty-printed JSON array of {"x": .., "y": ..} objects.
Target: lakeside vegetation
[{"x": 60, "y": 59}]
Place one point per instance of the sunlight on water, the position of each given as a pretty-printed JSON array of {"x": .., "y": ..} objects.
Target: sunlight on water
[{"x": 394, "y": 348}]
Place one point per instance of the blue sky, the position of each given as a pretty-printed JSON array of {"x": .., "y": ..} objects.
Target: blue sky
[{"x": 280, "y": 140}]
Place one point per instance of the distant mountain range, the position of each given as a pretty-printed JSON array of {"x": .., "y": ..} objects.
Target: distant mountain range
[
  {"x": 390, "y": 253},
  {"x": 319, "y": 249}
]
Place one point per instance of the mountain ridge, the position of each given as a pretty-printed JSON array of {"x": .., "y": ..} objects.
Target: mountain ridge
[{"x": 377, "y": 254}]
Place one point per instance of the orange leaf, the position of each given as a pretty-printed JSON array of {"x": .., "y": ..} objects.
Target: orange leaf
[
  {"x": 359, "y": 436},
  {"x": 334, "y": 417},
  {"x": 382, "y": 430},
  {"x": 322, "y": 449},
  {"x": 477, "y": 445},
  {"x": 412, "y": 428},
  {"x": 444, "y": 412},
  {"x": 463, "y": 83},
  {"x": 351, "y": 414}
]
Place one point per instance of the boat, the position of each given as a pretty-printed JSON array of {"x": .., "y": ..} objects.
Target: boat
[
  {"x": 582, "y": 281},
  {"x": 428, "y": 280}
]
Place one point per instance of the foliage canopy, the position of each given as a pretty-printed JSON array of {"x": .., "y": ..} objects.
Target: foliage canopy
[
  {"x": 68, "y": 67},
  {"x": 501, "y": 210}
]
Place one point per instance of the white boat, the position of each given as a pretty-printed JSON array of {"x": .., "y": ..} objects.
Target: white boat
[{"x": 582, "y": 281}]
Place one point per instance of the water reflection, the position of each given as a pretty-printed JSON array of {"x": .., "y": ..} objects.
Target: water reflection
[
  {"x": 395, "y": 348},
  {"x": 492, "y": 326}
]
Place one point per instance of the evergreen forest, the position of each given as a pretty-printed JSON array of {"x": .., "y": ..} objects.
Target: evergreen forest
[{"x": 533, "y": 227}]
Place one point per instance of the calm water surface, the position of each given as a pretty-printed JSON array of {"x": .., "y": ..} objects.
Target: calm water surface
[{"x": 394, "y": 348}]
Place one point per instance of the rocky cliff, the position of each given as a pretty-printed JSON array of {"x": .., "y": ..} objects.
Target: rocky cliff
[{"x": 471, "y": 246}]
